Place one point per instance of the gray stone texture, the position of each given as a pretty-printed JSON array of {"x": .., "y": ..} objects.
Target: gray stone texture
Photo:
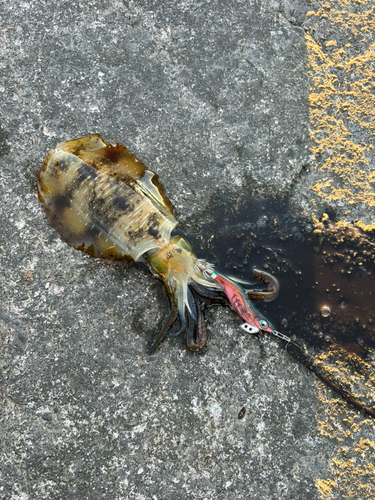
[{"x": 213, "y": 97}]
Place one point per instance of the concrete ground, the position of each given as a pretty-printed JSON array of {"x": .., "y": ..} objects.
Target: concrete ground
[{"x": 214, "y": 96}]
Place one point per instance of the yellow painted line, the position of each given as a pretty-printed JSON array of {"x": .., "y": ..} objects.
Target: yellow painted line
[
  {"x": 342, "y": 118},
  {"x": 342, "y": 102}
]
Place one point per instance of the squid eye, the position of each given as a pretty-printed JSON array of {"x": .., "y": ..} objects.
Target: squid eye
[{"x": 263, "y": 323}]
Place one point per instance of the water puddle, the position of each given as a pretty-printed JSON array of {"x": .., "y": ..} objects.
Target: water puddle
[{"x": 326, "y": 274}]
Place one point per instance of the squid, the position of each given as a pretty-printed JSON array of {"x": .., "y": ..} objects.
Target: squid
[{"x": 103, "y": 200}]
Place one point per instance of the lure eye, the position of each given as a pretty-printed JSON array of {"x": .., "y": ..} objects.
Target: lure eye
[{"x": 263, "y": 323}]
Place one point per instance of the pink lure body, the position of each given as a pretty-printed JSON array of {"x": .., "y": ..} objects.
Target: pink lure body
[{"x": 242, "y": 304}]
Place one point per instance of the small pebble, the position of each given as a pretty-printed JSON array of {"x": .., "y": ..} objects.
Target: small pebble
[{"x": 241, "y": 413}]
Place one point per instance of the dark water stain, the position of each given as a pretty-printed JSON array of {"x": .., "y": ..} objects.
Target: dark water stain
[{"x": 326, "y": 274}]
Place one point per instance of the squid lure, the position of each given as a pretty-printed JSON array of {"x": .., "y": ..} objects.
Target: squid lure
[
  {"x": 243, "y": 306},
  {"x": 254, "y": 320}
]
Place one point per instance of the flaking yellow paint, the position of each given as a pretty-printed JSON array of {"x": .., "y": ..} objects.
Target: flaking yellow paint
[
  {"x": 342, "y": 99},
  {"x": 342, "y": 103},
  {"x": 352, "y": 468}
]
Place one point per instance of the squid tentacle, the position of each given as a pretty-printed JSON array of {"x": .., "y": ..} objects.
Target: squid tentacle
[
  {"x": 266, "y": 294},
  {"x": 270, "y": 281},
  {"x": 208, "y": 296},
  {"x": 168, "y": 322},
  {"x": 201, "y": 329},
  {"x": 192, "y": 303},
  {"x": 182, "y": 328},
  {"x": 203, "y": 295},
  {"x": 196, "y": 332}
]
